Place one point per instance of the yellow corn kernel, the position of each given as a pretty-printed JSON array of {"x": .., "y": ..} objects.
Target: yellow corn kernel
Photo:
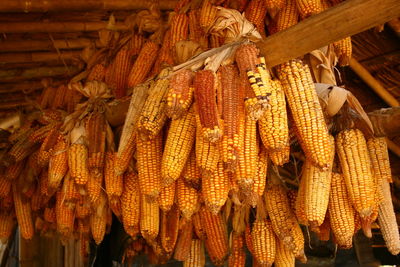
[
  {"x": 167, "y": 197},
  {"x": 58, "y": 164},
  {"x": 187, "y": 198},
  {"x": 24, "y": 214},
  {"x": 182, "y": 248},
  {"x": 264, "y": 244},
  {"x": 343, "y": 50},
  {"x": 149, "y": 219},
  {"x": 196, "y": 256},
  {"x": 283, "y": 257},
  {"x": 130, "y": 204},
  {"x": 78, "y": 163},
  {"x": 287, "y": 16},
  {"x": 169, "y": 229}
]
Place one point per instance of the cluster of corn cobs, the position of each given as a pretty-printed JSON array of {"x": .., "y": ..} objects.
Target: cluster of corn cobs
[{"x": 204, "y": 157}]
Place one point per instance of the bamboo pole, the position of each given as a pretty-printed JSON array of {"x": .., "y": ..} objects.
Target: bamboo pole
[
  {"x": 34, "y": 27},
  {"x": 46, "y": 45},
  {"x": 79, "y": 5},
  {"x": 26, "y": 74},
  {"x": 38, "y": 56},
  {"x": 375, "y": 85}
]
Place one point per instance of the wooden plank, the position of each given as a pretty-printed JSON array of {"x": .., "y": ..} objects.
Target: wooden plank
[
  {"x": 345, "y": 19},
  {"x": 386, "y": 121},
  {"x": 38, "y": 56},
  {"x": 46, "y": 45},
  {"x": 27, "y": 74},
  {"x": 80, "y": 5}
]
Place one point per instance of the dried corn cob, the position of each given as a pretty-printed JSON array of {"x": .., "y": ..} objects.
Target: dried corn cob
[
  {"x": 182, "y": 248},
  {"x": 178, "y": 145},
  {"x": 356, "y": 166},
  {"x": 198, "y": 226},
  {"x": 123, "y": 62},
  {"x": 113, "y": 182},
  {"x": 255, "y": 13},
  {"x": 343, "y": 50},
  {"x": 215, "y": 189},
  {"x": 153, "y": 116},
  {"x": 47, "y": 147},
  {"x": 307, "y": 112},
  {"x": 264, "y": 244},
  {"x": 97, "y": 73},
  {"x": 283, "y": 219},
  {"x": 275, "y": 4},
  {"x": 24, "y": 214},
  {"x": 82, "y": 208},
  {"x": 324, "y": 230},
  {"x": 179, "y": 28},
  {"x": 98, "y": 219},
  {"x": 14, "y": 170},
  {"x": 237, "y": 257},
  {"x": 143, "y": 64},
  {"x": 205, "y": 95},
  {"x": 149, "y": 155},
  {"x": 341, "y": 212},
  {"x": 165, "y": 57},
  {"x": 260, "y": 178},
  {"x": 196, "y": 33},
  {"x": 130, "y": 204},
  {"x": 124, "y": 158},
  {"x": 136, "y": 44},
  {"x": 300, "y": 203},
  {"x": 387, "y": 220},
  {"x": 5, "y": 186},
  {"x": 65, "y": 216},
  {"x": 149, "y": 219},
  {"x": 69, "y": 191},
  {"x": 191, "y": 172},
  {"x": 307, "y": 8},
  {"x": 287, "y": 16},
  {"x": 248, "y": 239},
  {"x": 217, "y": 236},
  {"x": 78, "y": 163},
  {"x": 94, "y": 187},
  {"x": 96, "y": 135},
  {"x": 169, "y": 229},
  {"x": 167, "y": 197},
  {"x": 23, "y": 148},
  {"x": 283, "y": 257},
  {"x": 7, "y": 223},
  {"x": 378, "y": 153},
  {"x": 196, "y": 256},
  {"x": 207, "y": 14},
  {"x": 187, "y": 198},
  {"x": 180, "y": 94}
]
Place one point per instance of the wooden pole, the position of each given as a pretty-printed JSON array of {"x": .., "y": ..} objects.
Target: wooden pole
[
  {"x": 338, "y": 22},
  {"x": 27, "y": 87},
  {"x": 38, "y": 56},
  {"x": 364, "y": 74},
  {"x": 46, "y": 45},
  {"x": 27, "y": 74},
  {"x": 34, "y": 27},
  {"x": 79, "y": 5},
  {"x": 386, "y": 121}
]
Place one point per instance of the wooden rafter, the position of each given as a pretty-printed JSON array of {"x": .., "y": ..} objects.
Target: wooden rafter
[
  {"x": 38, "y": 56},
  {"x": 46, "y": 45}
]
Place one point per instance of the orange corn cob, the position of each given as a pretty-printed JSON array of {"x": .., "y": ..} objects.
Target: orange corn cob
[
  {"x": 149, "y": 155},
  {"x": 22, "y": 149},
  {"x": 65, "y": 216},
  {"x": 187, "y": 198},
  {"x": 300, "y": 203},
  {"x": 43, "y": 184},
  {"x": 124, "y": 157},
  {"x": 97, "y": 73},
  {"x": 149, "y": 219},
  {"x": 255, "y": 13},
  {"x": 14, "y": 170},
  {"x": 7, "y": 223},
  {"x": 324, "y": 230},
  {"x": 196, "y": 33},
  {"x": 165, "y": 57},
  {"x": 78, "y": 163},
  {"x": 307, "y": 112},
  {"x": 343, "y": 50},
  {"x": 283, "y": 257},
  {"x": 356, "y": 166},
  {"x": 82, "y": 208},
  {"x": 283, "y": 219},
  {"x": 130, "y": 204},
  {"x": 23, "y": 213},
  {"x": 167, "y": 197},
  {"x": 307, "y": 8},
  {"x": 191, "y": 172},
  {"x": 58, "y": 100},
  {"x": 217, "y": 236},
  {"x": 248, "y": 239},
  {"x": 94, "y": 187},
  {"x": 237, "y": 257},
  {"x": 47, "y": 147},
  {"x": 179, "y": 143},
  {"x": 287, "y": 16},
  {"x": 40, "y": 134},
  {"x": 179, "y": 28},
  {"x": 264, "y": 244},
  {"x": 215, "y": 41},
  {"x": 49, "y": 214},
  {"x": 180, "y": 94},
  {"x": 275, "y": 4},
  {"x": 143, "y": 64},
  {"x": 205, "y": 95},
  {"x": 7, "y": 203},
  {"x": 5, "y": 186},
  {"x": 113, "y": 182},
  {"x": 96, "y": 135},
  {"x": 69, "y": 191},
  {"x": 98, "y": 219},
  {"x": 136, "y": 44},
  {"x": 182, "y": 248},
  {"x": 260, "y": 178},
  {"x": 207, "y": 14},
  {"x": 378, "y": 153},
  {"x": 196, "y": 256},
  {"x": 123, "y": 62},
  {"x": 280, "y": 157},
  {"x": 198, "y": 226},
  {"x": 341, "y": 212},
  {"x": 169, "y": 229},
  {"x": 215, "y": 189}
]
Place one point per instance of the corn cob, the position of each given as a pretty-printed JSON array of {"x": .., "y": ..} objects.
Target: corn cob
[
  {"x": 153, "y": 116},
  {"x": 69, "y": 191},
  {"x": 58, "y": 164},
  {"x": 215, "y": 41},
  {"x": 96, "y": 135},
  {"x": 237, "y": 257},
  {"x": 307, "y": 8},
  {"x": 5, "y": 186},
  {"x": 180, "y": 94},
  {"x": 113, "y": 182},
  {"x": 354, "y": 160},
  {"x": 196, "y": 256},
  {"x": 179, "y": 143},
  {"x": 65, "y": 216},
  {"x": 179, "y": 28},
  {"x": 97, "y": 73},
  {"x": 343, "y": 50},
  {"x": 149, "y": 155},
  {"x": 283, "y": 219},
  {"x": 255, "y": 13},
  {"x": 196, "y": 33},
  {"x": 300, "y": 202},
  {"x": 82, "y": 208},
  {"x": 43, "y": 184},
  {"x": 217, "y": 236},
  {"x": 260, "y": 178},
  {"x": 187, "y": 198},
  {"x": 22, "y": 149},
  {"x": 78, "y": 163},
  {"x": 143, "y": 64},
  {"x": 167, "y": 197},
  {"x": 124, "y": 158},
  {"x": 36, "y": 201},
  {"x": 215, "y": 189},
  {"x": 130, "y": 204},
  {"x": 205, "y": 95},
  {"x": 248, "y": 239},
  {"x": 341, "y": 212},
  {"x": 94, "y": 187},
  {"x": 7, "y": 223},
  {"x": 273, "y": 125},
  {"x": 387, "y": 220},
  {"x": 49, "y": 214},
  {"x": 58, "y": 100},
  {"x": 378, "y": 153},
  {"x": 275, "y": 4},
  {"x": 324, "y": 230},
  {"x": 122, "y": 64},
  {"x": 264, "y": 244},
  {"x": 98, "y": 219},
  {"x": 40, "y": 134},
  {"x": 207, "y": 154},
  {"x": 169, "y": 229},
  {"x": 207, "y": 14},
  {"x": 182, "y": 248},
  {"x": 7, "y": 203},
  {"x": 287, "y": 16},
  {"x": 198, "y": 226},
  {"x": 191, "y": 172},
  {"x": 165, "y": 58},
  {"x": 47, "y": 147},
  {"x": 232, "y": 108},
  {"x": 149, "y": 219},
  {"x": 135, "y": 44},
  {"x": 283, "y": 257},
  {"x": 24, "y": 214},
  {"x": 307, "y": 112}
]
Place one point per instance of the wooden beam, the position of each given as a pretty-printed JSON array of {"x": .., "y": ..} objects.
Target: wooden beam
[
  {"x": 338, "y": 22},
  {"x": 386, "y": 121},
  {"x": 79, "y": 5},
  {"x": 46, "y": 45},
  {"x": 41, "y": 72},
  {"x": 34, "y": 27},
  {"x": 38, "y": 56}
]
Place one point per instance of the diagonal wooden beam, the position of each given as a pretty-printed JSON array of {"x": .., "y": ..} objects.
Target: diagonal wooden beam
[{"x": 338, "y": 22}]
